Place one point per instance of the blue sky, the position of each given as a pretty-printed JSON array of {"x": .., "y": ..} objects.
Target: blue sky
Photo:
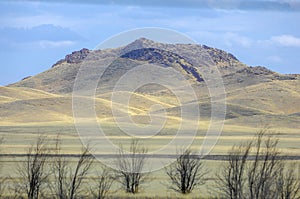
[{"x": 36, "y": 34}]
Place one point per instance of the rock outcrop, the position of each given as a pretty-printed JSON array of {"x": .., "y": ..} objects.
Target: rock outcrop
[{"x": 74, "y": 57}]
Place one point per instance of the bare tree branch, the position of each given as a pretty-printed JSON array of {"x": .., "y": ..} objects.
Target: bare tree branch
[
  {"x": 103, "y": 183},
  {"x": 130, "y": 166},
  {"x": 260, "y": 176},
  {"x": 263, "y": 169},
  {"x": 288, "y": 184},
  {"x": 2, "y": 178},
  {"x": 186, "y": 173},
  {"x": 33, "y": 170},
  {"x": 69, "y": 179},
  {"x": 232, "y": 177}
]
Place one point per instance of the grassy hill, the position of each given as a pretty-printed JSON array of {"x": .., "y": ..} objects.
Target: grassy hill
[{"x": 255, "y": 96}]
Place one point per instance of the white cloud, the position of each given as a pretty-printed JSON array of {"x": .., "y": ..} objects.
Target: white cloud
[
  {"x": 41, "y": 45},
  {"x": 55, "y": 44},
  {"x": 285, "y": 40},
  {"x": 39, "y": 37},
  {"x": 234, "y": 38},
  {"x": 29, "y": 21},
  {"x": 294, "y": 4}
]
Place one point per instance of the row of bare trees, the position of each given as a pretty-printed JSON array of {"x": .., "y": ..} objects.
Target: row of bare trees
[
  {"x": 255, "y": 170},
  {"x": 47, "y": 175},
  {"x": 252, "y": 170}
]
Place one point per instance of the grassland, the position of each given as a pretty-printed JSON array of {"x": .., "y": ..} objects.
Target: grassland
[
  {"x": 28, "y": 113},
  {"x": 19, "y": 138}
]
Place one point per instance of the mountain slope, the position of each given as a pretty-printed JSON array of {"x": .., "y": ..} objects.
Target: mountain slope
[{"x": 254, "y": 94}]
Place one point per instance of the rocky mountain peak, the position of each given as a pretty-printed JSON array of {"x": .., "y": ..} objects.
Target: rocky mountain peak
[
  {"x": 60, "y": 78},
  {"x": 152, "y": 55},
  {"x": 77, "y": 56},
  {"x": 74, "y": 57},
  {"x": 166, "y": 59},
  {"x": 139, "y": 44}
]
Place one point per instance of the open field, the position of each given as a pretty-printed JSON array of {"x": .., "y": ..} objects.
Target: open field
[
  {"x": 17, "y": 140},
  {"x": 157, "y": 184}
]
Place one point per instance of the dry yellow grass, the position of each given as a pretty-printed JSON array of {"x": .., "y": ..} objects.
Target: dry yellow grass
[
  {"x": 24, "y": 108},
  {"x": 277, "y": 97}
]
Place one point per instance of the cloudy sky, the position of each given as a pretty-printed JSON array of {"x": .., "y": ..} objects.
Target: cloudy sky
[{"x": 36, "y": 34}]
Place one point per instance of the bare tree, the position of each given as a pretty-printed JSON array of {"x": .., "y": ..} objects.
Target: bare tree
[
  {"x": 256, "y": 171},
  {"x": 232, "y": 178},
  {"x": 103, "y": 183},
  {"x": 130, "y": 166},
  {"x": 186, "y": 173},
  {"x": 81, "y": 170},
  {"x": 288, "y": 184},
  {"x": 69, "y": 179},
  {"x": 33, "y": 170},
  {"x": 60, "y": 172},
  {"x": 262, "y": 171},
  {"x": 2, "y": 178}
]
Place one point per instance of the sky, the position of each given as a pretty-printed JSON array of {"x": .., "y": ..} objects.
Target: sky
[{"x": 36, "y": 34}]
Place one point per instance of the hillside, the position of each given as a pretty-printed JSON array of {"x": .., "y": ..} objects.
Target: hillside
[{"x": 254, "y": 94}]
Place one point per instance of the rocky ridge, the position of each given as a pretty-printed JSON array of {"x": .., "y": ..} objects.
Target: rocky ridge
[{"x": 60, "y": 78}]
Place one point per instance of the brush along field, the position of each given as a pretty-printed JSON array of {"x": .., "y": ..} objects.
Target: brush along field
[
  {"x": 17, "y": 140},
  {"x": 156, "y": 185}
]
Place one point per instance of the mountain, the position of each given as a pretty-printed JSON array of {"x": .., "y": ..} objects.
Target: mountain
[{"x": 253, "y": 94}]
